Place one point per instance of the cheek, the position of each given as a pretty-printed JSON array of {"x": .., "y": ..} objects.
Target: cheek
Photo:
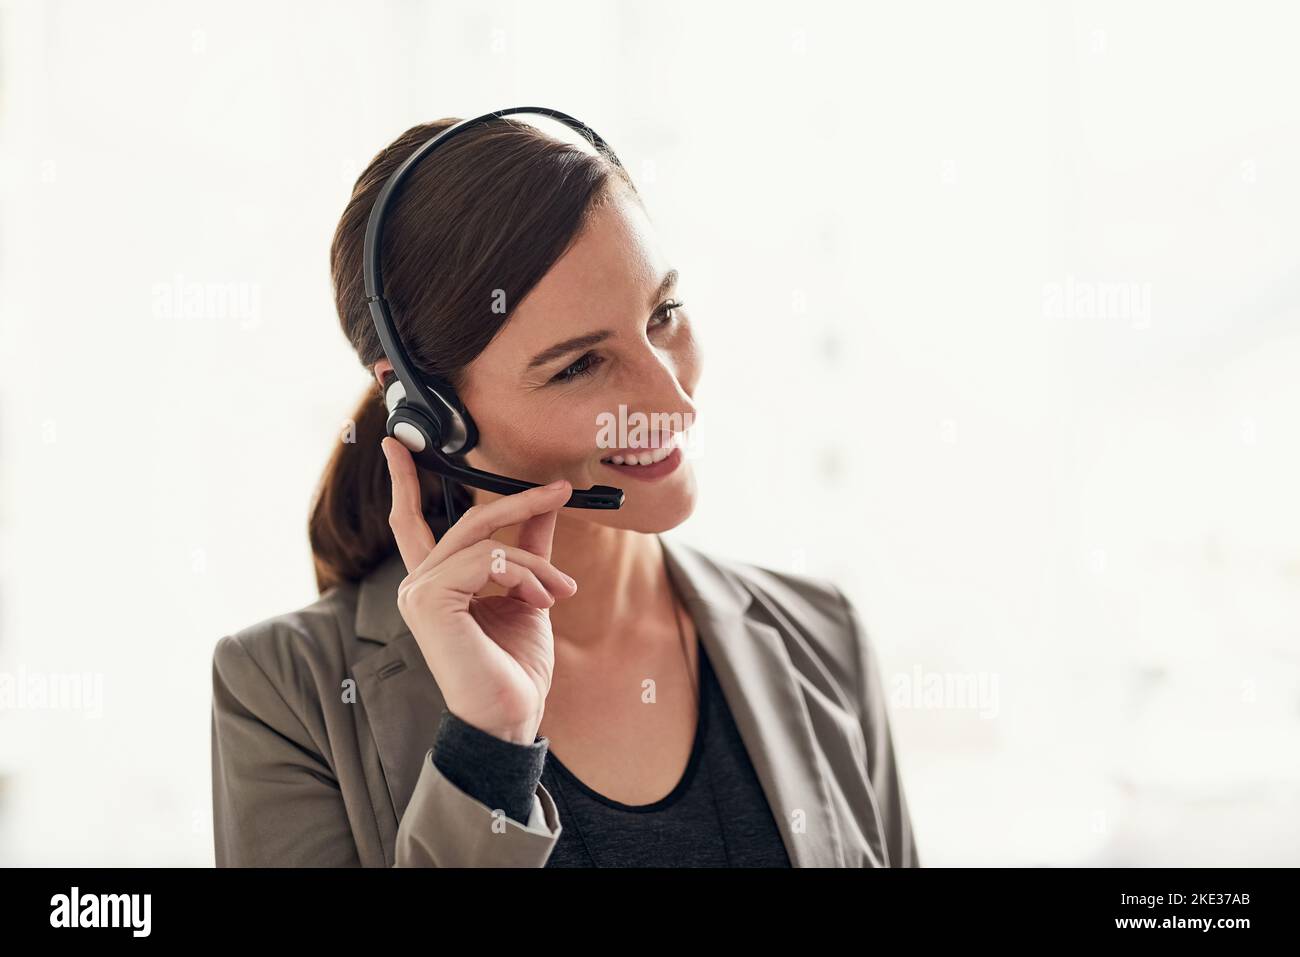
[{"x": 544, "y": 436}]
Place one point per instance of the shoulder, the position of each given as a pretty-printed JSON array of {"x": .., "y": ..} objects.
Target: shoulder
[
  {"x": 812, "y": 601},
  {"x": 293, "y": 654}
]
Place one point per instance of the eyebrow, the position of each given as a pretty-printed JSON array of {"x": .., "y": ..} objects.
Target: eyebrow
[
  {"x": 567, "y": 346},
  {"x": 561, "y": 349},
  {"x": 669, "y": 280}
]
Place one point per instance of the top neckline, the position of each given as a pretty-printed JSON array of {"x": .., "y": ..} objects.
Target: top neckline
[{"x": 692, "y": 765}]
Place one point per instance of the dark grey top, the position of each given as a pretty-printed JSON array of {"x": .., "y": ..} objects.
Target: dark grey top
[{"x": 716, "y": 816}]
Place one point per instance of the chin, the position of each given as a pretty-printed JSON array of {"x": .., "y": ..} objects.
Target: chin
[{"x": 647, "y": 508}]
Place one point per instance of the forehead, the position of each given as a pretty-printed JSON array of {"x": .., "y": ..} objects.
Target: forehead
[{"x": 604, "y": 278}]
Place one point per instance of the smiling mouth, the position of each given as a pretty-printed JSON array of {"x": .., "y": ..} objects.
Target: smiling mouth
[
  {"x": 641, "y": 457},
  {"x": 655, "y": 470}
]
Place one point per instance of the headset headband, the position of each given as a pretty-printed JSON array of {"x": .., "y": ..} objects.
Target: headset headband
[
  {"x": 420, "y": 391},
  {"x": 373, "y": 273}
]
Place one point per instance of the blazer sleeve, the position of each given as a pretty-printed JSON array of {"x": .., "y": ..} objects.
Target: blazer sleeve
[
  {"x": 276, "y": 801},
  {"x": 882, "y": 767},
  {"x": 444, "y": 826}
]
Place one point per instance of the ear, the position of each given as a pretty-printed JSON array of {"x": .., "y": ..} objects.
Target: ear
[{"x": 383, "y": 370}]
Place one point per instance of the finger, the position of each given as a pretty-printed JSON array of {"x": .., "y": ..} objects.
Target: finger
[
  {"x": 537, "y": 533},
  {"x": 468, "y": 572},
  {"x": 555, "y": 581},
  {"x": 491, "y": 554},
  {"x": 482, "y": 520},
  {"x": 415, "y": 539},
  {"x": 523, "y": 585}
]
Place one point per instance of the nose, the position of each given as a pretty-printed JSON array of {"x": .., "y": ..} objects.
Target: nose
[{"x": 655, "y": 389}]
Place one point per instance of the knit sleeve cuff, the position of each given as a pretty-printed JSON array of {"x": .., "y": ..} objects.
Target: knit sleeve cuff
[{"x": 497, "y": 772}]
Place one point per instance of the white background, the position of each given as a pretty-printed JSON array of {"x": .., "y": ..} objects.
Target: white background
[{"x": 876, "y": 210}]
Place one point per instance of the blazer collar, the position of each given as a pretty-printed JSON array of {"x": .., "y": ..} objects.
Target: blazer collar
[
  {"x": 749, "y": 656},
  {"x": 378, "y": 618}
]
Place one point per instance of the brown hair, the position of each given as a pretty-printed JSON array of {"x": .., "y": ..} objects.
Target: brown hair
[{"x": 491, "y": 210}]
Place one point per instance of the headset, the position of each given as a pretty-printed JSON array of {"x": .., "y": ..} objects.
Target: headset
[{"x": 424, "y": 412}]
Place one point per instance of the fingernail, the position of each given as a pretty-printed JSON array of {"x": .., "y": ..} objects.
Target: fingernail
[{"x": 558, "y": 483}]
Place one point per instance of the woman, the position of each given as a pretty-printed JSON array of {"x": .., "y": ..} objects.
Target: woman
[{"x": 539, "y": 685}]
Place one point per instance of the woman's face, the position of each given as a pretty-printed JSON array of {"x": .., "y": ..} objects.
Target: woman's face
[{"x": 548, "y": 407}]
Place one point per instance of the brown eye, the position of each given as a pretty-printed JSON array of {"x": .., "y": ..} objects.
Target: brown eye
[
  {"x": 667, "y": 310},
  {"x": 581, "y": 367}
]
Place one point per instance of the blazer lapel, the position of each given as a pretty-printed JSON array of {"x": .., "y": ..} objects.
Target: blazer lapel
[
  {"x": 758, "y": 681},
  {"x": 401, "y": 703}
]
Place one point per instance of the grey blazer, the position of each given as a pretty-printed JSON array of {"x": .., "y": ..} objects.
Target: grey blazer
[{"x": 323, "y": 721}]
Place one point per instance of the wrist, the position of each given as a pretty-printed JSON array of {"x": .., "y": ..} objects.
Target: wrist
[
  {"x": 524, "y": 732},
  {"x": 518, "y": 734}
]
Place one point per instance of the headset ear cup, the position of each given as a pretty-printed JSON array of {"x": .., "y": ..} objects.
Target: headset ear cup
[
  {"x": 454, "y": 419},
  {"x": 394, "y": 393},
  {"x": 418, "y": 430},
  {"x": 413, "y": 429},
  {"x": 471, "y": 430}
]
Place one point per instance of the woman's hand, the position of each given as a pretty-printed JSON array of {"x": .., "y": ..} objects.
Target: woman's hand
[{"x": 492, "y": 656}]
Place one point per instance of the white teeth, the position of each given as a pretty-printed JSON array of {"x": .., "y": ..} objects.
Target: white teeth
[{"x": 646, "y": 458}]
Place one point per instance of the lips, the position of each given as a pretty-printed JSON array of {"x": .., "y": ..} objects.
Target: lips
[
  {"x": 642, "y": 457},
  {"x": 649, "y": 473}
]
